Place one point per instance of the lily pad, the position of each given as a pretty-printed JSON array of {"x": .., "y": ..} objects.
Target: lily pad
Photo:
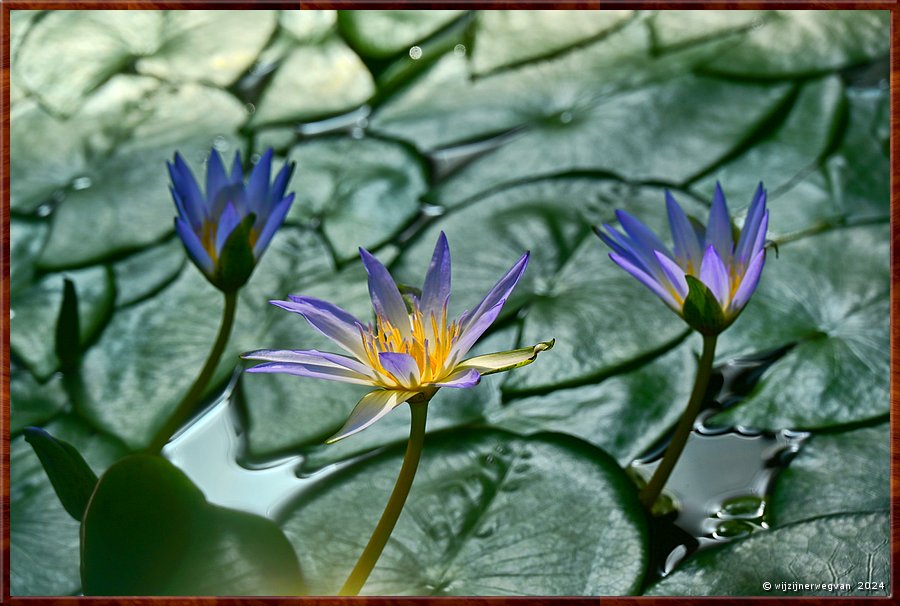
[
  {"x": 44, "y": 541},
  {"x": 315, "y": 81},
  {"x": 127, "y": 204},
  {"x": 31, "y": 402},
  {"x": 829, "y": 294},
  {"x": 796, "y": 145},
  {"x": 308, "y": 25},
  {"x": 489, "y": 514},
  {"x": 34, "y": 310},
  {"x": 624, "y": 414},
  {"x": 842, "y": 472},
  {"x": 209, "y": 46},
  {"x": 151, "y": 351},
  {"x": 799, "y": 43},
  {"x": 102, "y": 43},
  {"x": 691, "y": 123},
  {"x": 149, "y": 531},
  {"x": 362, "y": 191},
  {"x": 381, "y": 34},
  {"x": 674, "y": 29},
  {"x": 831, "y": 553},
  {"x": 499, "y": 34},
  {"x": 145, "y": 273}
]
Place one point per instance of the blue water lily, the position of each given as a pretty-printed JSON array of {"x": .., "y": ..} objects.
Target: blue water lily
[
  {"x": 227, "y": 229},
  {"x": 411, "y": 350},
  {"x": 708, "y": 278}
]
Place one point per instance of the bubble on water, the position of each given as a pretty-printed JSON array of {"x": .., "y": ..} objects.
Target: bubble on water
[
  {"x": 565, "y": 117},
  {"x": 459, "y": 50},
  {"x": 81, "y": 183},
  {"x": 415, "y": 53},
  {"x": 221, "y": 143},
  {"x": 250, "y": 108}
]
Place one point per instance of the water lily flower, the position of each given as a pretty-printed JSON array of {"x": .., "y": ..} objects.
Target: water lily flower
[
  {"x": 227, "y": 230},
  {"x": 410, "y": 351},
  {"x": 709, "y": 277}
]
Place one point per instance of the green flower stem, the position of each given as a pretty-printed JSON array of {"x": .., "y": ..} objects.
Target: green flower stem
[
  {"x": 388, "y": 520},
  {"x": 189, "y": 401},
  {"x": 685, "y": 425}
]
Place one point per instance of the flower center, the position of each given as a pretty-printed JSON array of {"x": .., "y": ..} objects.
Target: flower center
[{"x": 429, "y": 342}]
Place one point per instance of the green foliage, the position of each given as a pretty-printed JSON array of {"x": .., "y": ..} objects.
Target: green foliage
[{"x": 505, "y": 146}]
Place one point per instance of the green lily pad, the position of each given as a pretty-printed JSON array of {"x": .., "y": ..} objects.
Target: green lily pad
[
  {"x": 624, "y": 415},
  {"x": 146, "y": 272},
  {"x": 308, "y": 25},
  {"x": 152, "y": 351},
  {"x": 488, "y": 514},
  {"x": 798, "y": 43},
  {"x": 26, "y": 238},
  {"x": 842, "y": 472},
  {"x": 797, "y": 144},
  {"x": 691, "y": 123},
  {"x": 44, "y": 539},
  {"x": 315, "y": 81},
  {"x": 61, "y": 74},
  {"x": 499, "y": 34},
  {"x": 209, "y": 46},
  {"x": 34, "y": 310},
  {"x": 381, "y": 34},
  {"x": 836, "y": 550},
  {"x": 362, "y": 191},
  {"x": 828, "y": 293},
  {"x": 674, "y": 29},
  {"x": 31, "y": 402},
  {"x": 127, "y": 204},
  {"x": 149, "y": 531}
]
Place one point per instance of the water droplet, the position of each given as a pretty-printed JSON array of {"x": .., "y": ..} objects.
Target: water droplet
[
  {"x": 522, "y": 468},
  {"x": 433, "y": 210},
  {"x": 565, "y": 117},
  {"x": 732, "y": 529},
  {"x": 747, "y": 507},
  {"x": 250, "y": 108},
  {"x": 81, "y": 183},
  {"x": 525, "y": 455},
  {"x": 362, "y": 122},
  {"x": 221, "y": 143},
  {"x": 415, "y": 53},
  {"x": 486, "y": 529},
  {"x": 357, "y": 133},
  {"x": 254, "y": 158},
  {"x": 488, "y": 459},
  {"x": 459, "y": 50},
  {"x": 44, "y": 210}
]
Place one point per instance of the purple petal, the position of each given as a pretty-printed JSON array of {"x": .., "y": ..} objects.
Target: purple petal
[
  {"x": 714, "y": 274},
  {"x": 436, "y": 290},
  {"x": 332, "y": 321},
  {"x": 258, "y": 186},
  {"x": 386, "y": 298},
  {"x": 402, "y": 366},
  {"x": 674, "y": 275},
  {"x": 645, "y": 241},
  {"x": 718, "y": 230},
  {"x": 647, "y": 280},
  {"x": 276, "y": 218},
  {"x": 314, "y": 371},
  {"x": 309, "y": 356},
  {"x": 688, "y": 249},
  {"x": 748, "y": 282},
  {"x": 216, "y": 180},
  {"x": 229, "y": 219},
  {"x": 194, "y": 247},
  {"x": 191, "y": 214},
  {"x": 187, "y": 188},
  {"x": 370, "y": 408},
  {"x": 742, "y": 252},
  {"x": 276, "y": 192},
  {"x": 760, "y": 241},
  {"x": 237, "y": 170},
  {"x": 470, "y": 335},
  {"x": 496, "y": 295},
  {"x": 461, "y": 379}
]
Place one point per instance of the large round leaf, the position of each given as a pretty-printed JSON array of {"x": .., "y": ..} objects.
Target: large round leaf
[
  {"x": 834, "y": 550},
  {"x": 798, "y": 43},
  {"x": 149, "y": 531},
  {"x": 99, "y": 44},
  {"x": 385, "y": 33},
  {"x": 44, "y": 543},
  {"x": 690, "y": 123},
  {"x": 829, "y": 294},
  {"x": 314, "y": 81},
  {"x": 209, "y": 46},
  {"x": 624, "y": 414},
  {"x": 674, "y": 29},
  {"x": 31, "y": 402},
  {"x": 362, "y": 191},
  {"x": 835, "y": 473},
  {"x": 146, "y": 272},
  {"x": 489, "y": 514},
  {"x": 499, "y": 34}
]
